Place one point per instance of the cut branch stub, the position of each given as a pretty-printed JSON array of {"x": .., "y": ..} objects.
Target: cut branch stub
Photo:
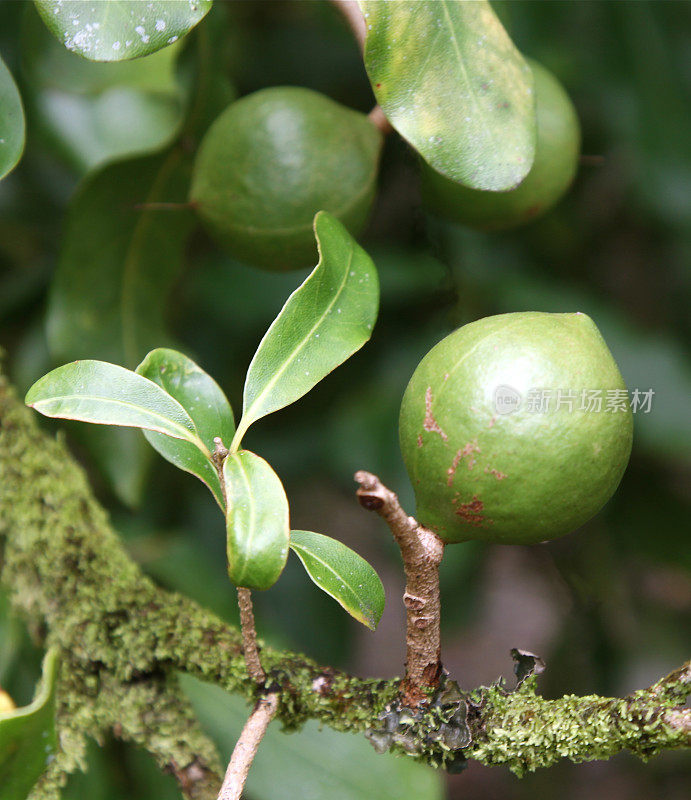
[{"x": 422, "y": 551}]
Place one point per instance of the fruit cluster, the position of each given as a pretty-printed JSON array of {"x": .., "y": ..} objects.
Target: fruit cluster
[{"x": 276, "y": 157}]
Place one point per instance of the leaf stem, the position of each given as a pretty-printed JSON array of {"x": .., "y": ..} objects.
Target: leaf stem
[
  {"x": 249, "y": 636},
  {"x": 247, "y": 746},
  {"x": 378, "y": 118},
  {"x": 240, "y": 431},
  {"x": 352, "y": 13},
  {"x": 422, "y": 551}
]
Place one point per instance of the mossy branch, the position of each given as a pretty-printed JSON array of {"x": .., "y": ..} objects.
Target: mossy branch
[{"x": 123, "y": 641}]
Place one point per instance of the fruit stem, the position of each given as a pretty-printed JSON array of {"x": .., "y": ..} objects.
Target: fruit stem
[
  {"x": 378, "y": 118},
  {"x": 352, "y": 13},
  {"x": 422, "y": 551}
]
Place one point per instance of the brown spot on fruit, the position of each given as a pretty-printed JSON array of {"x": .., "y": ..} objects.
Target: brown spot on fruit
[
  {"x": 430, "y": 424},
  {"x": 472, "y": 512},
  {"x": 466, "y": 450},
  {"x": 419, "y": 440},
  {"x": 498, "y": 475}
]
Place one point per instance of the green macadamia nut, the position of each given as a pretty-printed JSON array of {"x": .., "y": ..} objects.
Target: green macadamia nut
[
  {"x": 271, "y": 161},
  {"x": 515, "y": 429},
  {"x": 556, "y": 159}
]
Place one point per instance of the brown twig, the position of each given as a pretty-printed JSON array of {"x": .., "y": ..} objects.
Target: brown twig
[
  {"x": 247, "y": 746},
  {"x": 421, "y": 550},
  {"x": 249, "y": 636}
]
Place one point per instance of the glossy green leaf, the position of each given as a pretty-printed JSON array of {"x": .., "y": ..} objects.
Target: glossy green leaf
[
  {"x": 204, "y": 401},
  {"x": 323, "y": 323},
  {"x": 28, "y": 740},
  {"x": 341, "y": 573},
  {"x": 106, "y": 394},
  {"x": 451, "y": 82},
  {"x": 11, "y": 122},
  {"x": 315, "y": 762},
  {"x": 256, "y": 521},
  {"x": 114, "y": 30}
]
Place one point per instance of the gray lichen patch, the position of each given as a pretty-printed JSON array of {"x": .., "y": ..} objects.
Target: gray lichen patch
[{"x": 436, "y": 732}]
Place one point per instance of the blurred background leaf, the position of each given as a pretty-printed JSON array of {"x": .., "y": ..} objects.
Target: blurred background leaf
[
  {"x": 11, "y": 122},
  {"x": 92, "y": 113},
  {"x": 108, "y": 295},
  {"x": 314, "y": 762}
]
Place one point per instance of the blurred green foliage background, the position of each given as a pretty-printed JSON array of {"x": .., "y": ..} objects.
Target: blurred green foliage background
[{"x": 608, "y": 606}]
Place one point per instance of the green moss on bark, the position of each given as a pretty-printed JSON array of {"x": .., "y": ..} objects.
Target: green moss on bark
[
  {"x": 122, "y": 638},
  {"x": 526, "y": 732}
]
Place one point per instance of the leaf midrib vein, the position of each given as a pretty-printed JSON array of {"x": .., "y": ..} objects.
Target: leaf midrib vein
[
  {"x": 272, "y": 382},
  {"x": 252, "y": 514},
  {"x": 189, "y": 436},
  {"x": 464, "y": 74}
]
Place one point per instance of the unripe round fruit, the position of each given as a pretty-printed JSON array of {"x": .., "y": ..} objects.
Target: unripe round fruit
[
  {"x": 556, "y": 158},
  {"x": 271, "y": 161},
  {"x": 484, "y": 461}
]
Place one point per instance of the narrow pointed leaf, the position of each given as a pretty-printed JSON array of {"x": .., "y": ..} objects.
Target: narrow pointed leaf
[
  {"x": 327, "y": 319},
  {"x": 28, "y": 740},
  {"x": 341, "y": 573},
  {"x": 203, "y": 399},
  {"x": 256, "y": 521},
  {"x": 11, "y": 122},
  {"x": 452, "y": 83},
  {"x": 113, "y": 30},
  {"x": 95, "y": 391}
]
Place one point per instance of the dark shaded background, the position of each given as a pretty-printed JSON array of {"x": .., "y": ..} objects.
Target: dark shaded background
[{"x": 607, "y": 607}]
